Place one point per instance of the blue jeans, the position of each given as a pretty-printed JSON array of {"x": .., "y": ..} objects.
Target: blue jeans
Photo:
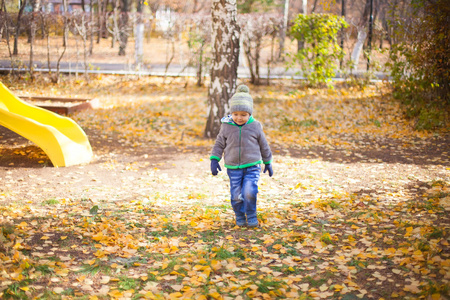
[{"x": 244, "y": 190}]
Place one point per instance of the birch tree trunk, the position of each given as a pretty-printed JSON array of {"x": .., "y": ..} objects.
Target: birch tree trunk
[
  {"x": 225, "y": 50},
  {"x": 283, "y": 30},
  {"x": 301, "y": 43},
  {"x": 139, "y": 37},
  {"x": 362, "y": 34}
]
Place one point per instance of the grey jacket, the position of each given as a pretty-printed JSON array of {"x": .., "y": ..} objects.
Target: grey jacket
[{"x": 244, "y": 146}]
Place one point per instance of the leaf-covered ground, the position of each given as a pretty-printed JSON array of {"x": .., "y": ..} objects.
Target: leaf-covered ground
[{"x": 358, "y": 207}]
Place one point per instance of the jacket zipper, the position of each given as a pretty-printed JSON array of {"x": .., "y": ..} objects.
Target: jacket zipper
[{"x": 240, "y": 131}]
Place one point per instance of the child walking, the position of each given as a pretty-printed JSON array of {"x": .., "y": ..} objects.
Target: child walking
[{"x": 242, "y": 141}]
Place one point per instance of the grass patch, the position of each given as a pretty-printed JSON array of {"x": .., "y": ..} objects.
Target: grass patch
[
  {"x": 222, "y": 253},
  {"x": 315, "y": 282},
  {"x": 50, "y": 202},
  {"x": 14, "y": 291},
  {"x": 126, "y": 283},
  {"x": 265, "y": 286},
  {"x": 95, "y": 268},
  {"x": 44, "y": 269},
  {"x": 289, "y": 123}
]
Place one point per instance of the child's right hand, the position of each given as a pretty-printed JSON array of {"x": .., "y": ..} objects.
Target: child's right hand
[{"x": 215, "y": 167}]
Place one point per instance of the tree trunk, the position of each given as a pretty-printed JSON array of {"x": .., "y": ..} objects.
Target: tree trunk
[
  {"x": 362, "y": 34},
  {"x": 99, "y": 20},
  {"x": 248, "y": 54},
  {"x": 342, "y": 31},
  {"x": 313, "y": 10},
  {"x": 369, "y": 42},
  {"x": 301, "y": 43},
  {"x": 65, "y": 34},
  {"x": 16, "y": 37},
  {"x": 139, "y": 37},
  {"x": 123, "y": 24},
  {"x": 34, "y": 17},
  {"x": 283, "y": 30},
  {"x": 90, "y": 28},
  {"x": 225, "y": 50},
  {"x": 6, "y": 32}
]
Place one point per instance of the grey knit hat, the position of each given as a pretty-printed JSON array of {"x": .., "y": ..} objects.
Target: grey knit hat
[{"x": 241, "y": 101}]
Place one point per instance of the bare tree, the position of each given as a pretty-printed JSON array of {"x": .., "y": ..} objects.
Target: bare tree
[
  {"x": 5, "y": 27},
  {"x": 16, "y": 36},
  {"x": 275, "y": 26},
  {"x": 225, "y": 55},
  {"x": 112, "y": 24},
  {"x": 102, "y": 6},
  {"x": 65, "y": 36},
  {"x": 361, "y": 26},
  {"x": 123, "y": 25},
  {"x": 80, "y": 23},
  {"x": 34, "y": 18},
  {"x": 254, "y": 29},
  {"x": 139, "y": 36},
  {"x": 342, "y": 30},
  {"x": 283, "y": 30},
  {"x": 198, "y": 42}
]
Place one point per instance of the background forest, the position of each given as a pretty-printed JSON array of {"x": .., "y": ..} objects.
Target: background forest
[{"x": 407, "y": 41}]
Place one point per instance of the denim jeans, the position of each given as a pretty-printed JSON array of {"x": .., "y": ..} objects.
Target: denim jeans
[{"x": 244, "y": 190}]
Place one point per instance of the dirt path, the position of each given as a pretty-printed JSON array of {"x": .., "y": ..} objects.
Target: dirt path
[{"x": 120, "y": 173}]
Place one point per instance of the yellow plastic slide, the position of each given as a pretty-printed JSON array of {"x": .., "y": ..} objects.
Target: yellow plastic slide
[{"x": 60, "y": 137}]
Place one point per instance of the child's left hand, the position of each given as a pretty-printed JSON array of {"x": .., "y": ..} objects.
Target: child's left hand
[{"x": 268, "y": 167}]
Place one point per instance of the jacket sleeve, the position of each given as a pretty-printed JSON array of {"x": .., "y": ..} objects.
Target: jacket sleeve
[
  {"x": 266, "y": 153},
  {"x": 219, "y": 146}
]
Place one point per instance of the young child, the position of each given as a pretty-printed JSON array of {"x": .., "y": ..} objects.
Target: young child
[{"x": 242, "y": 140}]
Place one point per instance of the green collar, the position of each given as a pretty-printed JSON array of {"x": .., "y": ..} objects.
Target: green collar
[{"x": 229, "y": 120}]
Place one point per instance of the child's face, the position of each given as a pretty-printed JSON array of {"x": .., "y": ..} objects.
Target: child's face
[{"x": 240, "y": 117}]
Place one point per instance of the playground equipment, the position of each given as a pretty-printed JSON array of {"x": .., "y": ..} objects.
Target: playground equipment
[{"x": 61, "y": 138}]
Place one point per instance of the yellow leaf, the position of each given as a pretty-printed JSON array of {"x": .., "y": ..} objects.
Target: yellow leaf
[
  {"x": 175, "y": 295},
  {"x": 63, "y": 237},
  {"x": 436, "y": 296},
  {"x": 44, "y": 237},
  {"x": 215, "y": 295},
  {"x": 98, "y": 237},
  {"x": 198, "y": 267},
  {"x": 115, "y": 294},
  {"x": 25, "y": 288}
]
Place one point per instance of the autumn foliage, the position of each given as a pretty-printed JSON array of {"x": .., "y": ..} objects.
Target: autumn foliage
[{"x": 357, "y": 208}]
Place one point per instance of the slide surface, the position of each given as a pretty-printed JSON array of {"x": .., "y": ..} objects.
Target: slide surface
[{"x": 61, "y": 138}]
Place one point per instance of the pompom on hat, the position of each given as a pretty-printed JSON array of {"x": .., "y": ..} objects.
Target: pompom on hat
[{"x": 241, "y": 100}]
